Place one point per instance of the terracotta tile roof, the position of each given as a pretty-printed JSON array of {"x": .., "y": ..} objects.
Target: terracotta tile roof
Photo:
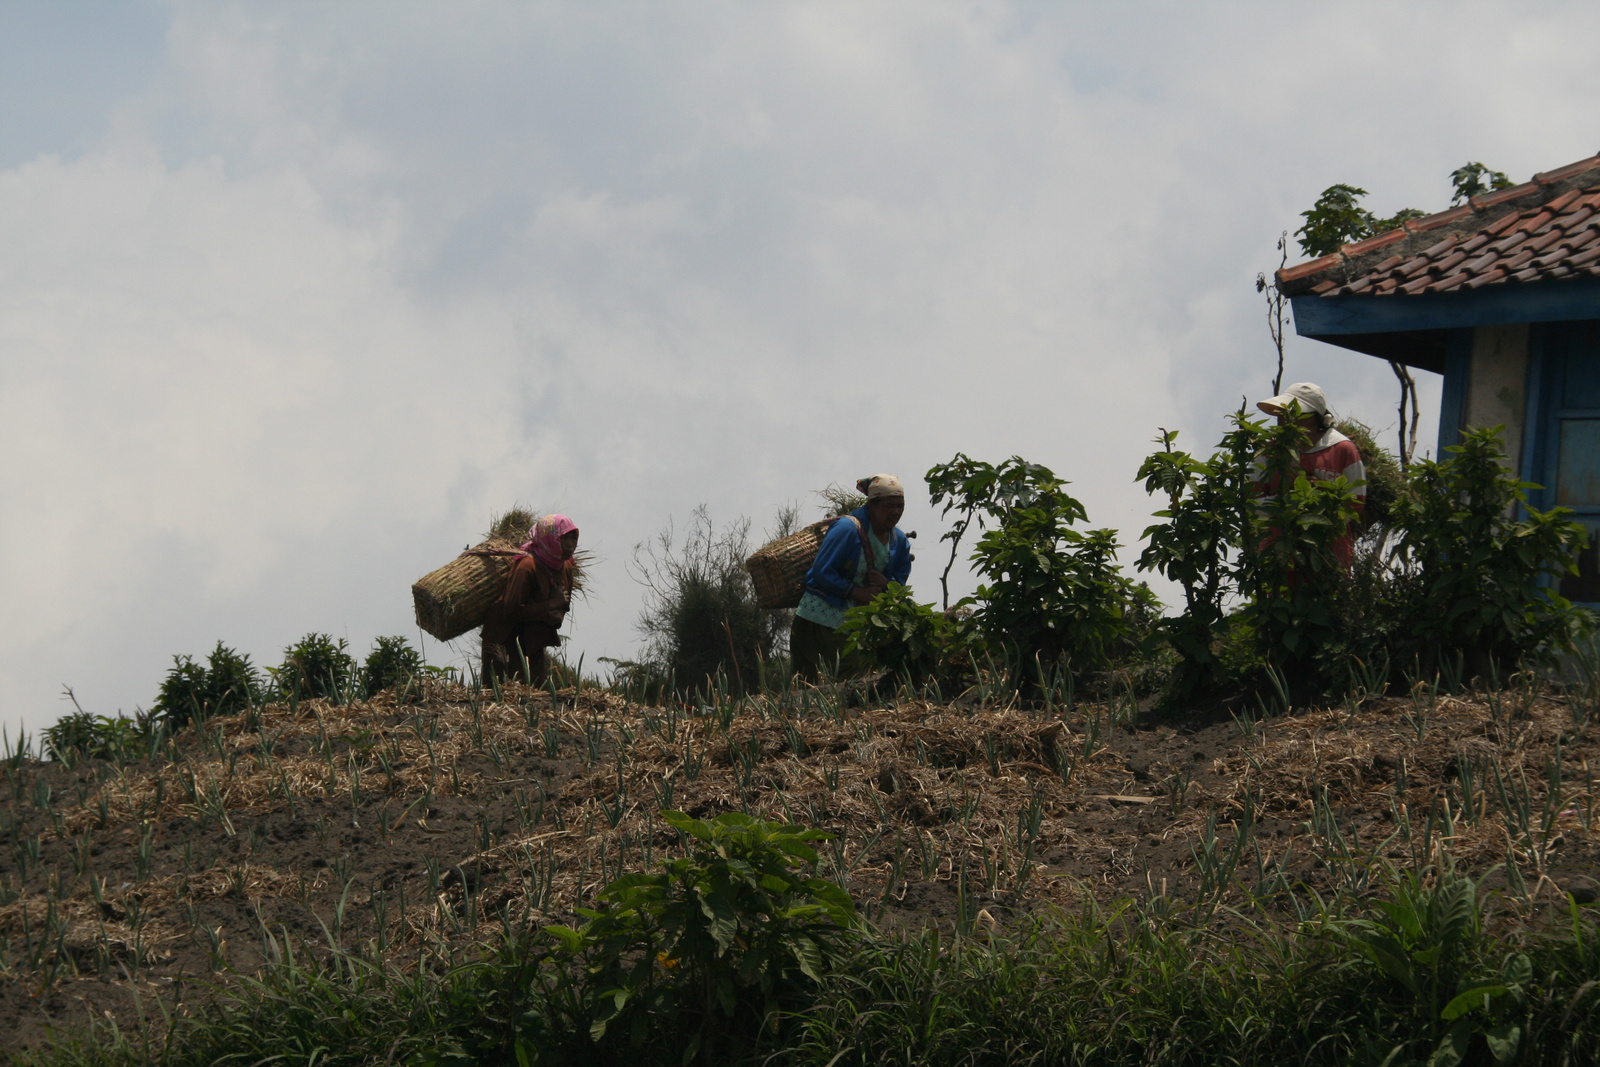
[{"x": 1547, "y": 229}]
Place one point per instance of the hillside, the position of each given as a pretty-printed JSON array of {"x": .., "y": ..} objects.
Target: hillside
[{"x": 405, "y": 830}]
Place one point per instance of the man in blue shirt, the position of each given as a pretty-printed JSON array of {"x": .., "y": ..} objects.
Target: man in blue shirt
[{"x": 860, "y": 555}]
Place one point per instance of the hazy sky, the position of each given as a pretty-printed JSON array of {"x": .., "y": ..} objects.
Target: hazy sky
[{"x": 294, "y": 296}]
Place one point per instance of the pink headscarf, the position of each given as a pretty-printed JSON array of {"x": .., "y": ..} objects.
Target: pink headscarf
[{"x": 544, "y": 539}]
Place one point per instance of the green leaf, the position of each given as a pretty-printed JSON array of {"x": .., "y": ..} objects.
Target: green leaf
[
  {"x": 693, "y": 827},
  {"x": 1453, "y": 1046},
  {"x": 571, "y": 940},
  {"x": 1474, "y": 999},
  {"x": 1503, "y": 1041},
  {"x": 1518, "y": 970}
]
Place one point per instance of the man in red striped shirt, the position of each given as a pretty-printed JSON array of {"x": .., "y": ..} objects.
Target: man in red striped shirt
[{"x": 1330, "y": 455}]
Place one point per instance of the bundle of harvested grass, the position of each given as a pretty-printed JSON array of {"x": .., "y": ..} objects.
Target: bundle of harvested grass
[
  {"x": 456, "y": 597},
  {"x": 778, "y": 570}
]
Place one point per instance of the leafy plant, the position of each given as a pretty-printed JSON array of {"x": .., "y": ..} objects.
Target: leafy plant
[
  {"x": 390, "y": 665},
  {"x": 225, "y": 685},
  {"x": 1293, "y": 578},
  {"x": 1481, "y": 577},
  {"x": 894, "y": 633},
  {"x": 83, "y": 735},
  {"x": 718, "y": 941},
  {"x": 317, "y": 666},
  {"x": 1427, "y": 941},
  {"x": 1208, "y": 516}
]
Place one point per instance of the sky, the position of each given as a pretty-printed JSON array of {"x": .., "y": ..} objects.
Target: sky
[{"x": 294, "y": 297}]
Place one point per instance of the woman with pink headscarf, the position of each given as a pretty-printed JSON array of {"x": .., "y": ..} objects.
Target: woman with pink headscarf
[{"x": 524, "y": 621}]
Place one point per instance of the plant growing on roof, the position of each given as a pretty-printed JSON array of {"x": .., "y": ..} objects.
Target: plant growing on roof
[{"x": 1475, "y": 179}]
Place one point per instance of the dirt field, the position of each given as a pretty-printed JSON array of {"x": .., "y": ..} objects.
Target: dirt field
[{"x": 410, "y": 828}]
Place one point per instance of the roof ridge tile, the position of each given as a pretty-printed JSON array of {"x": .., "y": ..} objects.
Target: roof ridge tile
[
  {"x": 1570, "y": 170},
  {"x": 1500, "y": 196},
  {"x": 1370, "y": 244},
  {"x": 1442, "y": 218}
]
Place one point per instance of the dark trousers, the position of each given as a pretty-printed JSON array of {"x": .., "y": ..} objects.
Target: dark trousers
[
  {"x": 813, "y": 647},
  {"x": 504, "y": 661}
]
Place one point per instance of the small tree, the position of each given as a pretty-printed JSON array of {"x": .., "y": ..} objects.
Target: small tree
[
  {"x": 1208, "y": 517},
  {"x": 1051, "y": 592}
]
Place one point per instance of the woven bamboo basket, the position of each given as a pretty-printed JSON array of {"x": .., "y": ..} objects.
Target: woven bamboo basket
[
  {"x": 778, "y": 570},
  {"x": 456, "y": 597}
]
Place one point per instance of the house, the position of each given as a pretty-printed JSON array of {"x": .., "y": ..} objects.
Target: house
[{"x": 1501, "y": 296}]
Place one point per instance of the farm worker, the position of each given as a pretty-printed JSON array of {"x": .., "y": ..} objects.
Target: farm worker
[
  {"x": 536, "y": 600},
  {"x": 860, "y": 555},
  {"x": 1330, "y": 455}
]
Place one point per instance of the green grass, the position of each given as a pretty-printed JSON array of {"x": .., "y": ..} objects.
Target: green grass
[{"x": 1144, "y": 982}]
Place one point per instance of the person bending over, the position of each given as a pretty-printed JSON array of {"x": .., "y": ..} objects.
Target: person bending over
[
  {"x": 538, "y": 595},
  {"x": 860, "y": 555}
]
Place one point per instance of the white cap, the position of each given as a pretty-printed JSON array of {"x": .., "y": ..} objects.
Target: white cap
[{"x": 1308, "y": 396}]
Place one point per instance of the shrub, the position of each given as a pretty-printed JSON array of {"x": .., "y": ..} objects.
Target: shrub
[
  {"x": 1052, "y": 593},
  {"x": 700, "y": 619},
  {"x": 1292, "y": 577},
  {"x": 226, "y": 685},
  {"x": 714, "y": 945},
  {"x": 391, "y": 664},
  {"x": 1209, "y": 509},
  {"x": 317, "y": 666},
  {"x": 1480, "y": 579},
  {"x": 83, "y": 735},
  {"x": 1466, "y": 576},
  {"x": 894, "y": 633}
]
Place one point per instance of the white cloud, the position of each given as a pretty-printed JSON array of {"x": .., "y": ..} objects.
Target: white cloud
[{"x": 347, "y": 279}]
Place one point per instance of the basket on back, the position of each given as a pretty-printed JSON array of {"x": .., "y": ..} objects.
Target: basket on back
[
  {"x": 456, "y": 597},
  {"x": 778, "y": 570}
]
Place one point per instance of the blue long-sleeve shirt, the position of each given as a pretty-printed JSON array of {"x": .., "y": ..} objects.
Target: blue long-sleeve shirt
[{"x": 838, "y": 567}]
